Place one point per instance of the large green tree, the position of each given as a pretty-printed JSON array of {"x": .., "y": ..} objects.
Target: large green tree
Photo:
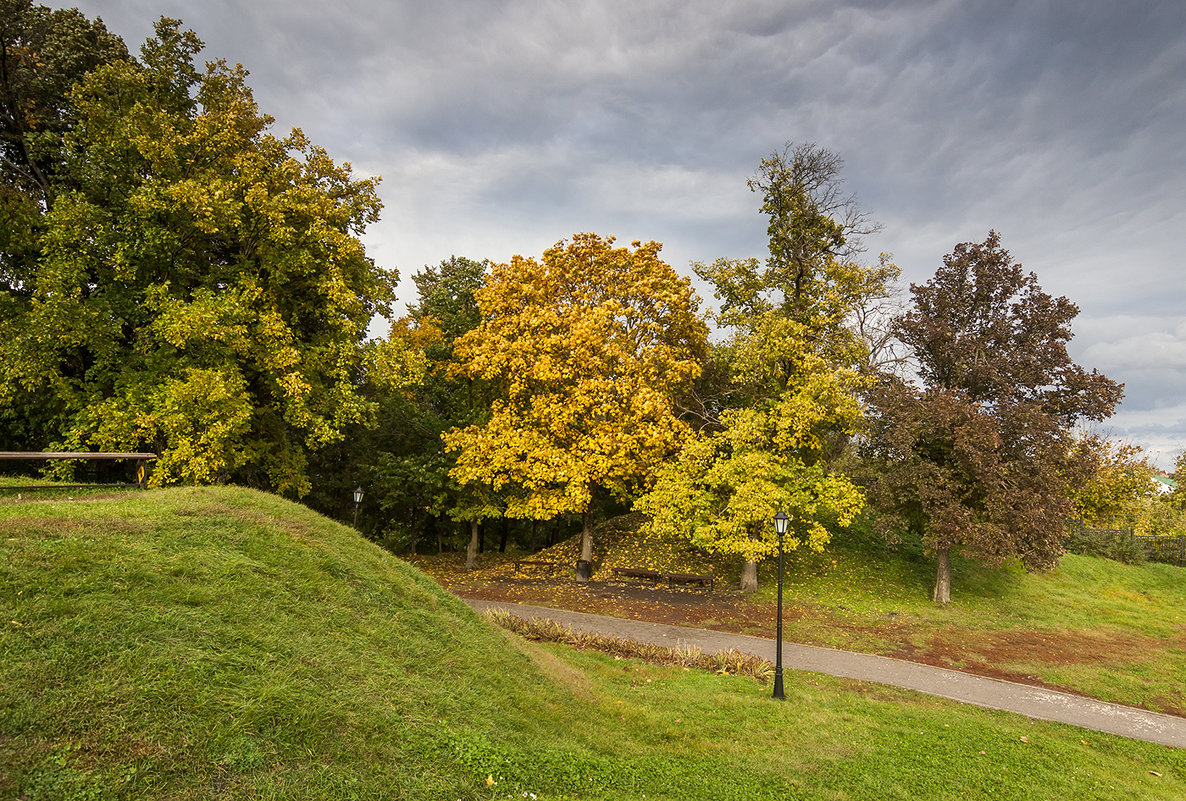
[
  {"x": 977, "y": 455},
  {"x": 200, "y": 289},
  {"x": 43, "y": 53}
]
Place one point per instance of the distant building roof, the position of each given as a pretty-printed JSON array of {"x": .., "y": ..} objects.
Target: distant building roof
[{"x": 1165, "y": 484}]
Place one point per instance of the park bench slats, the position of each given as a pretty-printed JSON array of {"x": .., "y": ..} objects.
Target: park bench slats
[
  {"x": 521, "y": 563},
  {"x": 638, "y": 572},
  {"x": 690, "y": 578},
  {"x": 671, "y": 578}
]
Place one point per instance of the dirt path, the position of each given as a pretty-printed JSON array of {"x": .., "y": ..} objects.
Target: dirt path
[{"x": 1034, "y": 702}]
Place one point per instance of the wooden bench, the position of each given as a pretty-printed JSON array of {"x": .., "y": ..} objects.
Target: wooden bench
[
  {"x": 141, "y": 460},
  {"x": 689, "y": 578},
  {"x": 520, "y": 563},
  {"x": 638, "y": 572}
]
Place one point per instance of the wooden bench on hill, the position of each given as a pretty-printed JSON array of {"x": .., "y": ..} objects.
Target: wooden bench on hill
[
  {"x": 521, "y": 563},
  {"x": 639, "y": 573},
  {"x": 690, "y": 578}
]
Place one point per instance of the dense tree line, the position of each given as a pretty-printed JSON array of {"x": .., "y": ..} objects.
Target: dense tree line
[{"x": 175, "y": 277}]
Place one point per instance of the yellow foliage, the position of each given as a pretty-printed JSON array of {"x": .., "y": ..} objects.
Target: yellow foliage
[
  {"x": 724, "y": 489},
  {"x": 588, "y": 346}
]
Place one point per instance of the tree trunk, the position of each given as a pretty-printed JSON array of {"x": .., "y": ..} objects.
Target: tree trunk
[
  {"x": 587, "y": 533},
  {"x": 749, "y": 576},
  {"x": 943, "y": 577},
  {"x": 586, "y": 545},
  {"x": 587, "y": 536},
  {"x": 481, "y": 538},
  {"x": 749, "y": 571},
  {"x": 505, "y": 531},
  {"x": 471, "y": 552}
]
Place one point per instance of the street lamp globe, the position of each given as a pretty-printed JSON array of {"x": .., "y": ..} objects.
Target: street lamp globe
[
  {"x": 781, "y": 521},
  {"x": 357, "y": 501}
]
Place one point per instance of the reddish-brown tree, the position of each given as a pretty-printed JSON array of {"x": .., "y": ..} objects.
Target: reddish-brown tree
[{"x": 977, "y": 454}]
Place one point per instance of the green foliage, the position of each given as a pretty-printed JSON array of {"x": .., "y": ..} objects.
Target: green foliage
[
  {"x": 1120, "y": 544},
  {"x": 723, "y": 490},
  {"x": 405, "y": 465},
  {"x": 201, "y": 289},
  {"x": 1178, "y": 496},
  {"x": 1119, "y": 483}
]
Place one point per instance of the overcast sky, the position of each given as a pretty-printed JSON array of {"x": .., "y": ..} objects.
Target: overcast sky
[{"x": 502, "y": 126}]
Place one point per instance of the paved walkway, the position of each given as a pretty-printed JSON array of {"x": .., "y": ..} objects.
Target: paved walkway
[{"x": 1034, "y": 702}]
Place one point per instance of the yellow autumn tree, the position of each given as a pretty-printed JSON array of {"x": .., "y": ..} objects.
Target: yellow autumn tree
[
  {"x": 588, "y": 347},
  {"x": 788, "y": 405},
  {"x": 726, "y": 484}
]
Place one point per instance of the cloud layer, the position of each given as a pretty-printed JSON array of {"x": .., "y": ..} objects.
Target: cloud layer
[{"x": 501, "y": 127}]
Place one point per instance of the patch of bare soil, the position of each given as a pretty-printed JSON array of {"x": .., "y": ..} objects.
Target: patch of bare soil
[{"x": 990, "y": 654}]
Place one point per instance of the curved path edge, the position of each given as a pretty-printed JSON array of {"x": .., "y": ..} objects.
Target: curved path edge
[{"x": 1023, "y": 699}]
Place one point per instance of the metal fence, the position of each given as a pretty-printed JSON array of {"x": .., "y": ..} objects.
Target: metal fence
[
  {"x": 1126, "y": 545},
  {"x": 1167, "y": 548}
]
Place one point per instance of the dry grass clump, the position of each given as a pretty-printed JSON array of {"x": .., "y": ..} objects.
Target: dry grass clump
[{"x": 729, "y": 662}]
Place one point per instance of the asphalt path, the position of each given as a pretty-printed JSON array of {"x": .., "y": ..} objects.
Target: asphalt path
[{"x": 1033, "y": 702}]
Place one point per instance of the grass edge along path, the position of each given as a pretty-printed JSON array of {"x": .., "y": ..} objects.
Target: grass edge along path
[
  {"x": 1092, "y": 626},
  {"x": 726, "y": 662},
  {"x": 1022, "y": 699}
]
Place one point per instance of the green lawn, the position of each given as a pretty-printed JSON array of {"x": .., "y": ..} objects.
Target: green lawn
[
  {"x": 204, "y": 643},
  {"x": 1093, "y": 626}
]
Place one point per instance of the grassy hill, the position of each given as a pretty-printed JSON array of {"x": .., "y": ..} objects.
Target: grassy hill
[{"x": 222, "y": 643}]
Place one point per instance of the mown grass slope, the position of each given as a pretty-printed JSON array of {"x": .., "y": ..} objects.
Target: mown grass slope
[
  {"x": 206, "y": 642},
  {"x": 222, "y": 643}
]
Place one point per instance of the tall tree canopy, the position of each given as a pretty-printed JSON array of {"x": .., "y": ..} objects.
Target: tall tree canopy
[
  {"x": 978, "y": 456},
  {"x": 200, "y": 288},
  {"x": 43, "y": 53},
  {"x": 408, "y": 466},
  {"x": 788, "y": 403},
  {"x": 587, "y": 347}
]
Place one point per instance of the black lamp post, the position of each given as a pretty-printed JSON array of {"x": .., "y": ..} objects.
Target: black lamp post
[
  {"x": 357, "y": 501},
  {"x": 780, "y": 525}
]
